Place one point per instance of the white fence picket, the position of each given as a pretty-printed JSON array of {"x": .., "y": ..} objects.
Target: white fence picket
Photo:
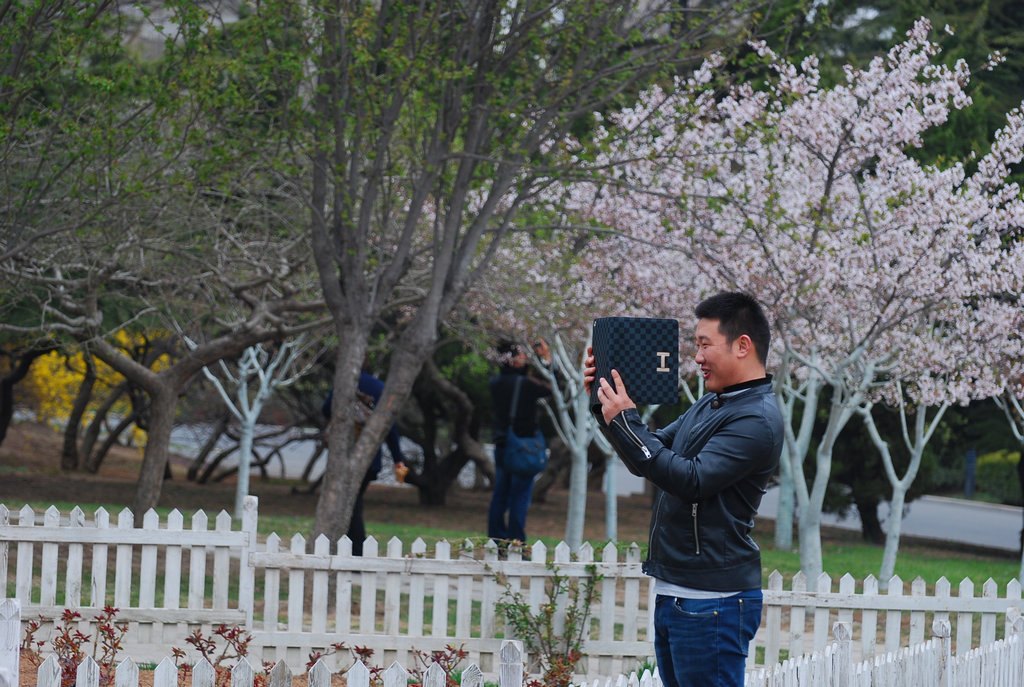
[
  {"x": 172, "y": 562},
  {"x": 126, "y": 674},
  {"x": 73, "y": 563},
  {"x": 321, "y": 547},
  {"x": 98, "y": 579},
  {"x": 243, "y": 675},
  {"x": 197, "y": 563},
  {"x": 10, "y": 640},
  {"x": 203, "y": 674},
  {"x": 392, "y": 590},
  {"x": 297, "y": 587}
]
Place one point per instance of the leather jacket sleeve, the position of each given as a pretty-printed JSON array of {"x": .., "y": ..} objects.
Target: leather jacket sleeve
[
  {"x": 624, "y": 433},
  {"x": 724, "y": 459}
]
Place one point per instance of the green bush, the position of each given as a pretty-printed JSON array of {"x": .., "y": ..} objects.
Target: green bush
[{"x": 996, "y": 475}]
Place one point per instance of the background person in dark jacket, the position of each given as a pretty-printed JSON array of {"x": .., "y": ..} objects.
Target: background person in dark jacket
[
  {"x": 506, "y": 518},
  {"x": 711, "y": 467},
  {"x": 373, "y": 387}
]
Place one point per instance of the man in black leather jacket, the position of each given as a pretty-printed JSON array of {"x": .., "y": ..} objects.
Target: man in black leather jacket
[{"x": 711, "y": 467}]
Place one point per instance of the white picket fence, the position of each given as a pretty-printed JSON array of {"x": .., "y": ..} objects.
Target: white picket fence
[
  {"x": 930, "y": 664},
  {"x": 167, "y": 579},
  {"x": 927, "y": 664}
]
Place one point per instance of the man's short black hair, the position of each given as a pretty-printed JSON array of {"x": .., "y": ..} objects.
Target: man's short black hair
[{"x": 737, "y": 314}]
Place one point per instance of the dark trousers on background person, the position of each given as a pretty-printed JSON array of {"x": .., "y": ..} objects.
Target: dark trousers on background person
[
  {"x": 506, "y": 518},
  {"x": 356, "y": 526},
  {"x": 704, "y": 642}
]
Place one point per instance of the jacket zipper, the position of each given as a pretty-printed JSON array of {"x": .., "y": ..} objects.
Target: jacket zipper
[
  {"x": 696, "y": 537},
  {"x": 632, "y": 435}
]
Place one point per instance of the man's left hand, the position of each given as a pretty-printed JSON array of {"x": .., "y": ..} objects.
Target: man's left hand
[{"x": 613, "y": 399}]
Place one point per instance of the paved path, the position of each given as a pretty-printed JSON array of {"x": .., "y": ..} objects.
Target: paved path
[{"x": 938, "y": 518}]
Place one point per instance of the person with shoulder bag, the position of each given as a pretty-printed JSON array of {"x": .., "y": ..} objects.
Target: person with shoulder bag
[{"x": 520, "y": 452}]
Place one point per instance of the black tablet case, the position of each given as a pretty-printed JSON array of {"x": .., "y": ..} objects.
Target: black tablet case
[{"x": 645, "y": 351}]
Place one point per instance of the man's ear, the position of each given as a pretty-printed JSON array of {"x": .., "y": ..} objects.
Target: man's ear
[{"x": 744, "y": 346}]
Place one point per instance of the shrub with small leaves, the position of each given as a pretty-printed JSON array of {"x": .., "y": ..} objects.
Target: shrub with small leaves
[{"x": 557, "y": 652}]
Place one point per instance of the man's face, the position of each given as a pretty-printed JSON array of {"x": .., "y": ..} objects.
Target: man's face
[{"x": 715, "y": 357}]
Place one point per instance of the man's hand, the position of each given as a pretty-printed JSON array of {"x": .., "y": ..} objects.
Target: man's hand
[
  {"x": 540, "y": 347},
  {"x": 613, "y": 399},
  {"x": 589, "y": 370}
]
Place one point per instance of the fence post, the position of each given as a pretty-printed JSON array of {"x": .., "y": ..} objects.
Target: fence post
[
  {"x": 10, "y": 641},
  {"x": 246, "y": 570},
  {"x": 942, "y": 630},
  {"x": 510, "y": 665},
  {"x": 842, "y": 659}
]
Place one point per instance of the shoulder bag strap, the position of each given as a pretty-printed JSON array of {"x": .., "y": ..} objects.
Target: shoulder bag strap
[{"x": 515, "y": 402}]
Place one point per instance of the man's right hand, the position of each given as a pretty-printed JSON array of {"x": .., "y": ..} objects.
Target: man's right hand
[{"x": 589, "y": 370}]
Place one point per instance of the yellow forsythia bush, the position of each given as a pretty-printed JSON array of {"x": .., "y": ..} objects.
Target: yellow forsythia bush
[{"x": 52, "y": 384}]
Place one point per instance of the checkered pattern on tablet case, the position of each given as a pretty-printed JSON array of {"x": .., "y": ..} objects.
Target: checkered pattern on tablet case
[{"x": 645, "y": 351}]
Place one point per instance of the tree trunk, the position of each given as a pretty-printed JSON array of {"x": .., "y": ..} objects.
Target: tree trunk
[
  {"x": 245, "y": 458},
  {"x": 209, "y": 472},
  {"x": 20, "y": 365},
  {"x": 216, "y": 431},
  {"x": 870, "y": 526},
  {"x": 793, "y": 493},
  {"x": 440, "y": 474},
  {"x": 787, "y": 499},
  {"x": 810, "y": 513},
  {"x": 92, "y": 432},
  {"x": 810, "y": 543},
  {"x": 69, "y": 456},
  {"x": 163, "y": 403},
  {"x": 577, "y": 514},
  {"x": 894, "y": 527},
  {"x": 96, "y": 459},
  {"x": 915, "y": 443},
  {"x": 348, "y": 458},
  {"x": 611, "y": 503}
]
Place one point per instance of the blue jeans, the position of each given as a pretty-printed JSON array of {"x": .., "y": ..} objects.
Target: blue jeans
[
  {"x": 506, "y": 519},
  {"x": 703, "y": 642}
]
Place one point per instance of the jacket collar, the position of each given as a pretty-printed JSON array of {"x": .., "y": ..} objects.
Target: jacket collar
[{"x": 731, "y": 391}]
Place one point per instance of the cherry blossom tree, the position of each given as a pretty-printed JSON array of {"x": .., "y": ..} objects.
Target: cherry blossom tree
[{"x": 869, "y": 262}]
